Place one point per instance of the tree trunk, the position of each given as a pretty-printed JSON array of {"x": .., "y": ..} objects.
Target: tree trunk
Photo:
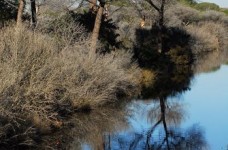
[
  {"x": 161, "y": 27},
  {"x": 100, "y": 143},
  {"x": 33, "y": 13},
  {"x": 96, "y": 29},
  {"x": 20, "y": 12},
  {"x": 163, "y": 111}
]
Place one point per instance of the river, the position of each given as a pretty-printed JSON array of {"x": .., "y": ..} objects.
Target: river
[
  {"x": 203, "y": 107},
  {"x": 198, "y": 113},
  {"x": 208, "y": 101},
  {"x": 185, "y": 114}
]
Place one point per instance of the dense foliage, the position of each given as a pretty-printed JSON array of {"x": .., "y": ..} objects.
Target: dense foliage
[{"x": 8, "y": 10}]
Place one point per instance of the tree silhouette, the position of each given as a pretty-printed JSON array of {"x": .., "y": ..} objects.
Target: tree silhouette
[{"x": 8, "y": 10}]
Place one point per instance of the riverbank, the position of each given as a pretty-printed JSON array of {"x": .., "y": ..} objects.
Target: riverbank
[{"x": 44, "y": 81}]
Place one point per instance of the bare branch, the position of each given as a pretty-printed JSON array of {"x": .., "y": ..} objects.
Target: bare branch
[
  {"x": 153, "y": 5},
  {"x": 137, "y": 8},
  {"x": 116, "y": 10},
  {"x": 11, "y": 4}
]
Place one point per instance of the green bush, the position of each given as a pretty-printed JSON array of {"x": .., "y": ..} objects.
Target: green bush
[
  {"x": 188, "y": 2},
  {"x": 207, "y": 6},
  {"x": 225, "y": 11}
]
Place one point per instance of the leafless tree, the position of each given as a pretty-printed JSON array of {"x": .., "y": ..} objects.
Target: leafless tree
[{"x": 10, "y": 3}]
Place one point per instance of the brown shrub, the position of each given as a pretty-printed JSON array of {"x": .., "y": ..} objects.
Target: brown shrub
[
  {"x": 180, "y": 15},
  {"x": 207, "y": 36},
  {"x": 214, "y": 16},
  {"x": 65, "y": 28},
  {"x": 41, "y": 81},
  {"x": 148, "y": 77}
]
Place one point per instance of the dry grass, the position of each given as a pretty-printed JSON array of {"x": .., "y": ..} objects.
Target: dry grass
[
  {"x": 64, "y": 27},
  {"x": 208, "y": 30},
  {"x": 214, "y": 16},
  {"x": 43, "y": 82},
  {"x": 207, "y": 36},
  {"x": 180, "y": 15}
]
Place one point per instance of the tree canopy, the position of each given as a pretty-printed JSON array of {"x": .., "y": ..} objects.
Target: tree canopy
[{"x": 8, "y": 10}]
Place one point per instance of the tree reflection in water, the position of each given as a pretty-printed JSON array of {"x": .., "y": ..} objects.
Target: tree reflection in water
[
  {"x": 171, "y": 137},
  {"x": 109, "y": 128},
  {"x": 164, "y": 133},
  {"x": 165, "y": 115},
  {"x": 88, "y": 129}
]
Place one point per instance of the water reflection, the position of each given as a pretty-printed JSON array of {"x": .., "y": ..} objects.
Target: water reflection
[
  {"x": 208, "y": 106},
  {"x": 88, "y": 130},
  {"x": 211, "y": 62},
  {"x": 111, "y": 129},
  {"x": 162, "y": 132},
  {"x": 171, "y": 79},
  {"x": 155, "y": 124},
  {"x": 191, "y": 138},
  {"x": 165, "y": 115}
]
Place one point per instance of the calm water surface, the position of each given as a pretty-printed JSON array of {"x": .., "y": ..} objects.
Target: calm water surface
[
  {"x": 193, "y": 118},
  {"x": 205, "y": 106},
  {"x": 208, "y": 106}
]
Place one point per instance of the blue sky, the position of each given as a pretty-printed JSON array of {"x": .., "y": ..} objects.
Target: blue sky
[{"x": 221, "y": 3}]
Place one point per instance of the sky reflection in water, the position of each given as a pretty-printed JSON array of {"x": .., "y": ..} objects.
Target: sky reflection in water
[
  {"x": 196, "y": 117},
  {"x": 208, "y": 102},
  {"x": 205, "y": 105}
]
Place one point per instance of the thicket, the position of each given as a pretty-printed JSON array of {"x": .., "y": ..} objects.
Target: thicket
[
  {"x": 207, "y": 6},
  {"x": 43, "y": 82},
  {"x": 7, "y": 12},
  {"x": 207, "y": 29},
  {"x": 225, "y": 10},
  {"x": 188, "y": 36},
  {"x": 188, "y": 2},
  {"x": 164, "y": 73}
]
